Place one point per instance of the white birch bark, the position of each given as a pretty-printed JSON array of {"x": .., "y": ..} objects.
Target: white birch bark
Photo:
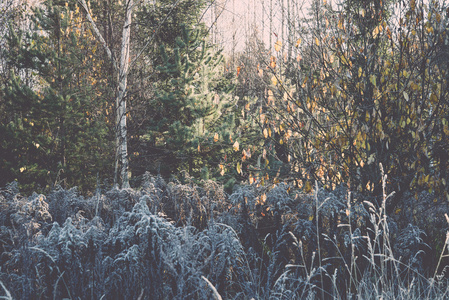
[
  {"x": 122, "y": 71},
  {"x": 97, "y": 33},
  {"x": 121, "y": 94}
]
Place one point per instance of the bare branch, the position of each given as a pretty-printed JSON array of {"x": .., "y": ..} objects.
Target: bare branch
[
  {"x": 214, "y": 290},
  {"x": 98, "y": 34}
]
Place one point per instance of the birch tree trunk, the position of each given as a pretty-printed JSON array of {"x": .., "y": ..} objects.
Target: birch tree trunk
[
  {"x": 122, "y": 75},
  {"x": 122, "y": 145}
]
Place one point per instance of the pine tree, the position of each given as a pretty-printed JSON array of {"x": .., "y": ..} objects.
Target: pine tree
[
  {"x": 159, "y": 23},
  {"x": 53, "y": 127},
  {"x": 193, "y": 125}
]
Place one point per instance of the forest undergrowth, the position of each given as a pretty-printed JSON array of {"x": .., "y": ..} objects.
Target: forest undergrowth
[{"x": 194, "y": 241}]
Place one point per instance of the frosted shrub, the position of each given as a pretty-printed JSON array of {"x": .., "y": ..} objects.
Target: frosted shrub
[
  {"x": 193, "y": 241},
  {"x": 67, "y": 203}
]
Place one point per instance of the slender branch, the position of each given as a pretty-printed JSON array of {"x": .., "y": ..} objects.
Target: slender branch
[
  {"x": 214, "y": 290},
  {"x": 98, "y": 34},
  {"x": 216, "y": 17}
]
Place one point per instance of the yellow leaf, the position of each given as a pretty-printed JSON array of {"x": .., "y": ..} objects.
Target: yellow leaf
[
  {"x": 265, "y": 133},
  {"x": 377, "y": 30},
  {"x": 446, "y": 130},
  {"x": 216, "y": 137},
  {"x": 360, "y": 71},
  {"x": 274, "y": 80},
  {"x": 298, "y": 42},
  {"x": 277, "y": 46},
  {"x": 340, "y": 24},
  {"x": 239, "y": 168},
  {"x": 369, "y": 187},
  {"x": 433, "y": 99},
  {"x": 263, "y": 198},
  {"x": 372, "y": 79},
  {"x": 273, "y": 62},
  {"x": 317, "y": 41},
  {"x": 235, "y": 146},
  {"x": 308, "y": 187}
]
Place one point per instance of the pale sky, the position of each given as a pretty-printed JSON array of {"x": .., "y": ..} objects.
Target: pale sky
[{"x": 239, "y": 17}]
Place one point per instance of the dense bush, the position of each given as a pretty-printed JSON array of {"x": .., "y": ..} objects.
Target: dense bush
[{"x": 188, "y": 241}]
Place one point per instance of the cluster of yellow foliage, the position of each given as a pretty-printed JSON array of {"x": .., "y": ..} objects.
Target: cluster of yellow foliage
[{"x": 364, "y": 93}]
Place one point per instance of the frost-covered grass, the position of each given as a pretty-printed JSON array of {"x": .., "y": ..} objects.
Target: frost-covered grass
[{"x": 186, "y": 241}]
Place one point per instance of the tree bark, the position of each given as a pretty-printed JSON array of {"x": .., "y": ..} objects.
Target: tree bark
[
  {"x": 122, "y": 71},
  {"x": 121, "y": 95}
]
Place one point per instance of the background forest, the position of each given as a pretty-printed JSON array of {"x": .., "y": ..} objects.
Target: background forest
[{"x": 142, "y": 157}]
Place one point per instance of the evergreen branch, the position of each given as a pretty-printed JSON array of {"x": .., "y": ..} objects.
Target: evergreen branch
[{"x": 154, "y": 34}]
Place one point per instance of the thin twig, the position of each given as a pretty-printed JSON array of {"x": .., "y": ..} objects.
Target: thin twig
[
  {"x": 8, "y": 294},
  {"x": 214, "y": 290}
]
